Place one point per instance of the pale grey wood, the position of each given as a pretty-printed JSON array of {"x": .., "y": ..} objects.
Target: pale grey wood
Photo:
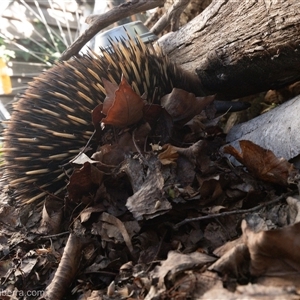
[{"x": 277, "y": 130}]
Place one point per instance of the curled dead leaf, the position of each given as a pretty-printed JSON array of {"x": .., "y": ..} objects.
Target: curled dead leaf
[
  {"x": 274, "y": 252},
  {"x": 110, "y": 89},
  {"x": 109, "y": 155},
  {"x": 168, "y": 155},
  {"x": 178, "y": 263},
  {"x": 183, "y": 106},
  {"x": 125, "y": 109},
  {"x": 110, "y": 222},
  {"x": 262, "y": 163},
  {"x": 51, "y": 217}
]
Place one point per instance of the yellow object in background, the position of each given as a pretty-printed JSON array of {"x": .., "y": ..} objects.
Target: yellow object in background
[{"x": 5, "y": 82}]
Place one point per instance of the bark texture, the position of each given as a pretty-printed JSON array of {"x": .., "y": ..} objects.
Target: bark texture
[{"x": 239, "y": 48}]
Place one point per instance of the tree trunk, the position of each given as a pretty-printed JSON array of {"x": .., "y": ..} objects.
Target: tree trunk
[{"x": 239, "y": 48}]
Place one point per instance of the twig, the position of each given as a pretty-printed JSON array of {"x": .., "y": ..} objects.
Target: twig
[
  {"x": 138, "y": 149},
  {"x": 55, "y": 235},
  {"x": 234, "y": 212},
  {"x": 172, "y": 16},
  {"x": 157, "y": 251},
  {"x": 98, "y": 22}
]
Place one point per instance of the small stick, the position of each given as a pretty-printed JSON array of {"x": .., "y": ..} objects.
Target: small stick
[
  {"x": 172, "y": 16},
  {"x": 234, "y": 212}
]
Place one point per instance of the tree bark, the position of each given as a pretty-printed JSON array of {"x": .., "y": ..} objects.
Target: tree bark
[{"x": 239, "y": 48}]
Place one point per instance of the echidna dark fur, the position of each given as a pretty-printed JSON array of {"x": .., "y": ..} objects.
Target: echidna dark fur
[{"x": 51, "y": 121}]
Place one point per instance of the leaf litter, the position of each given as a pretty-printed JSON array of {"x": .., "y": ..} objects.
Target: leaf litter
[{"x": 159, "y": 212}]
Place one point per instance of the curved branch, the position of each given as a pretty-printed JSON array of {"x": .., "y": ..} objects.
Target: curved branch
[{"x": 98, "y": 22}]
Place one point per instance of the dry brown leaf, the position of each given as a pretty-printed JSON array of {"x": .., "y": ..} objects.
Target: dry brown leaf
[
  {"x": 274, "y": 253},
  {"x": 178, "y": 263},
  {"x": 129, "y": 141},
  {"x": 211, "y": 188},
  {"x": 110, "y": 89},
  {"x": 294, "y": 209},
  {"x": 152, "y": 112},
  {"x": 83, "y": 181},
  {"x": 262, "y": 163},
  {"x": 126, "y": 109},
  {"x": 51, "y": 217},
  {"x": 9, "y": 215},
  {"x": 234, "y": 262},
  {"x": 183, "y": 106},
  {"x": 112, "y": 225},
  {"x": 110, "y": 155},
  {"x": 149, "y": 200},
  {"x": 168, "y": 155},
  {"x": 97, "y": 115},
  {"x": 5, "y": 266},
  {"x": 249, "y": 292},
  {"x": 81, "y": 159},
  {"x": 87, "y": 212}
]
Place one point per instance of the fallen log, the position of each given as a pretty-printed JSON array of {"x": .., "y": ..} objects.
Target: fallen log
[
  {"x": 276, "y": 130},
  {"x": 239, "y": 48}
]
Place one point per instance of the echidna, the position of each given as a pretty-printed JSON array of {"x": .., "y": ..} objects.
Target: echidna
[{"x": 51, "y": 120}]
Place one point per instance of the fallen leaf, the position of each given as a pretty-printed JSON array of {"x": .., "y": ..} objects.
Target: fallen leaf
[
  {"x": 130, "y": 141},
  {"x": 249, "y": 292},
  {"x": 149, "y": 201},
  {"x": 274, "y": 252},
  {"x": 178, "y": 263},
  {"x": 110, "y": 89},
  {"x": 126, "y": 109},
  {"x": 83, "y": 181},
  {"x": 51, "y": 217},
  {"x": 234, "y": 261},
  {"x": 109, "y": 155},
  {"x": 262, "y": 163},
  {"x": 97, "y": 115},
  {"x": 151, "y": 113},
  {"x": 81, "y": 159},
  {"x": 111, "y": 228},
  {"x": 168, "y": 155},
  {"x": 85, "y": 215},
  {"x": 185, "y": 171},
  {"x": 183, "y": 106}
]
